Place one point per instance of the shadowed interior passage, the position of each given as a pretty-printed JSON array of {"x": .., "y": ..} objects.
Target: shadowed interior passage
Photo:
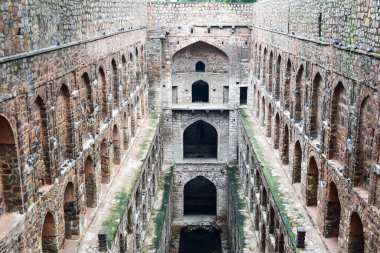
[
  {"x": 200, "y": 140},
  {"x": 200, "y": 240},
  {"x": 199, "y": 197}
]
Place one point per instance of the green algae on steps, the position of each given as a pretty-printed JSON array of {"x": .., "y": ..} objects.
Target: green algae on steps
[
  {"x": 273, "y": 181},
  {"x": 111, "y": 223},
  {"x": 153, "y": 121},
  {"x": 237, "y": 202}
]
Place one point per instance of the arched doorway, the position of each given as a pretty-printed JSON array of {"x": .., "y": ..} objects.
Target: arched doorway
[
  {"x": 71, "y": 212},
  {"x": 200, "y": 92},
  {"x": 199, "y": 197},
  {"x": 285, "y": 146},
  {"x": 288, "y": 76},
  {"x": 116, "y": 146},
  {"x": 297, "y": 163},
  {"x": 10, "y": 188},
  {"x": 339, "y": 113},
  {"x": 365, "y": 139},
  {"x": 269, "y": 121},
  {"x": 65, "y": 127},
  {"x": 312, "y": 183},
  {"x": 45, "y": 176},
  {"x": 104, "y": 163},
  {"x": 278, "y": 78},
  {"x": 298, "y": 110},
  {"x": 356, "y": 237},
  {"x": 125, "y": 131},
  {"x": 200, "y": 140},
  {"x": 276, "y": 137},
  {"x": 104, "y": 93},
  {"x": 90, "y": 182},
  {"x": 49, "y": 235},
  {"x": 332, "y": 220},
  {"x": 315, "y": 117},
  {"x": 115, "y": 84}
]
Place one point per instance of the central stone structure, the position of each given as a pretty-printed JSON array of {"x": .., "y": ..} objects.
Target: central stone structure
[{"x": 189, "y": 127}]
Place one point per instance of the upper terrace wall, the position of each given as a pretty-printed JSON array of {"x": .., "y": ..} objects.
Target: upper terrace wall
[
  {"x": 348, "y": 21},
  {"x": 176, "y": 14},
  {"x": 36, "y": 25}
]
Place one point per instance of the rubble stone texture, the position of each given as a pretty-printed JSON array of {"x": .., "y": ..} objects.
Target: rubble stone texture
[{"x": 112, "y": 113}]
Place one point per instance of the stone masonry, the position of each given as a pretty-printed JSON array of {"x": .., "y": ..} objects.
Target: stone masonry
[{"x": 125, "y": 123}]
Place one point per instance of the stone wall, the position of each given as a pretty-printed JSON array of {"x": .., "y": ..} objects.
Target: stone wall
[
  {"x": 351, "y": 24},
  {"x": 178, "y": 121},
  {"x": 271, "y": 233},
  {"x": 313, "y": 99},
  {"x": 164, "y": 15},
  {"x": 133, "y": 225},
  {"x": 217, "y": 174},
  {"x": 226, "y": 34},
  {"x": 67, "y": 130},
  {"x": 35, "y": 26}
]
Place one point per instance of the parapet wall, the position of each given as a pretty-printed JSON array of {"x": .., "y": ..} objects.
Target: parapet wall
[
  {"x": 353, "y": 23},
  {"x": 165, "y": 15},
  {"x": 38, "y": 25}
]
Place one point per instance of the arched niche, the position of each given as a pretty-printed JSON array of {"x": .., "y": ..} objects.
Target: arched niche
[
  {"x": 200, "y": 140},
  {"x": 183, "y": 60},
  {"x": 199, "y": 197}
]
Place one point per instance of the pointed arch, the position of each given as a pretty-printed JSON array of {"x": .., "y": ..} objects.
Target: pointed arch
[
  {"x": 365, "y": 139},
  {"x": 270, "y": 74},
  {"x": 356, "y": 235},
  {"x": 312, "y": 181},
  {"x": 278, "y": 78},
  {"x": 10, "y": 184},
  {"x": 124, "y": 81},
  {"x": 49, "y": 240},
  {"x": 90, "y": 182},
  {"x": 200, "y": 92},
  {"x": 276, "y": 137},
  {"x": 265, "y": 66},
  {"x": 103, "y": 93},
  {"x": 339, "y": 114},
  {"x": 200, "y": 52},
  {"x": 297, "y": 163},
  {"x": 43, "y": 137},
  {"x": 125, "y": 131},
  {"x": 65, "y": 122},
  {"x": 200, "y": 197},
  {"x": 316, "y": 101},
  {"x": 285, "y": 146},
  {"x": 269, "y": 121},
  {"x": 259, "y": 62},
  {"x": 87, "y": 106},
  {"x": 333, "y": 209},
  {"x": 71, "y": 212},
  {"x": 105, "y": 166},
  {"x": 115, "y": 84},
  {"x": 116, "y": 145},
  {"x": 200, "y": 140},
  {"x": 298, "y": 93},
  {"x": 288, "y": 76}
]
